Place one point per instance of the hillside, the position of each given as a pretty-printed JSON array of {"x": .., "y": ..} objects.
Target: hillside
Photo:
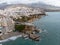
[
  {"x": 39, "y": 5},
  {"x": 44, "y": 6},
  {"x": 21, "y": 10}
]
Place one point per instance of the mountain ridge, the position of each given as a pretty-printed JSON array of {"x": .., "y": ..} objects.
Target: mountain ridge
[
  {"x": 40, "y": 5},
  {"x": 45, "y": 6}
]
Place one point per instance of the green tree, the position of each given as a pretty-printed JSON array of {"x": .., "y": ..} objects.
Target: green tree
[{"x": 19, "y": 27}]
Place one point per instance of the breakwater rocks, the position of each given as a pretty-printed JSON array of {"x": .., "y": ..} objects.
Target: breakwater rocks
[
  {"x": 32, "y": 32},
  {"x": 34, "y": 37}
]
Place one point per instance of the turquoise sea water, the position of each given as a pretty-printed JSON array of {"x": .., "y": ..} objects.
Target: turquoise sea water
[{"x": 50, "y": 25}]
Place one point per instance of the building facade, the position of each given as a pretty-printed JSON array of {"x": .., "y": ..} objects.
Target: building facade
[{"x": 6, "y": 24}]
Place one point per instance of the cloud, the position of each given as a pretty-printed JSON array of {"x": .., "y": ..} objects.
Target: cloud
[
  {"x": 23, "y": 1},
  {"x": 51, "y": 2}
]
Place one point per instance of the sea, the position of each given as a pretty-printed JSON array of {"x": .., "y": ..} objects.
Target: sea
[{"x": 50, "y": 34}]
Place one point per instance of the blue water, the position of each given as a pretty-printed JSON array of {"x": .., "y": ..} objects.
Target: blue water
[{"x": 51, "y": 36}]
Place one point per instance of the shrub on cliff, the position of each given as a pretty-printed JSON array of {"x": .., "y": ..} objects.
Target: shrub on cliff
[{"x": 19, "y": 27}]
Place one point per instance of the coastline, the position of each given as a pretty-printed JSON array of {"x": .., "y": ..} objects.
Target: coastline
[
  {"x": 11, "y": 38},
  {"x": 27, "y": 30},
  {"x": 14, "y": 35}
]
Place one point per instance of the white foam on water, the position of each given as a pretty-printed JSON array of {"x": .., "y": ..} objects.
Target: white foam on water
[
  {"x": 0, "y": 44},
  {"x": 3, "y": 40},
  {"x": 45, "y": 31},
  {"x": 11, "y": 38},
  {"x": 26, "y": 38},
  {"x": 40, "y": 31}
]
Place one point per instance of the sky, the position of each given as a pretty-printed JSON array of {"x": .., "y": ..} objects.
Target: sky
[{"x": 50, "y": 2}]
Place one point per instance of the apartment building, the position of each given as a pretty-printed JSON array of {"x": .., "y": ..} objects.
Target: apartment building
[{"x": 6, "y": 24}]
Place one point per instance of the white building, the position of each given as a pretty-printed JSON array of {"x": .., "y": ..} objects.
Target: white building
[{"x": 6, "y": 23}]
